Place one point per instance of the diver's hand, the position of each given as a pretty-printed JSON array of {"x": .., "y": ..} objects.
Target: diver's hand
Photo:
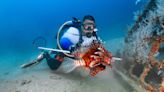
[{"x": 101, "y": 56}]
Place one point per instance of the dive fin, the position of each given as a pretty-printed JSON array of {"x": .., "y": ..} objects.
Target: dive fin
[{"x": 35, "y": 62}]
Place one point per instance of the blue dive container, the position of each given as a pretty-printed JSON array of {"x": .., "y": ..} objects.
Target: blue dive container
[{"x": 70, "y": 38}]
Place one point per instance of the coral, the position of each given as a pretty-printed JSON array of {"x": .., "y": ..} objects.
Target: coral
[{"x": 141, "y": 38}]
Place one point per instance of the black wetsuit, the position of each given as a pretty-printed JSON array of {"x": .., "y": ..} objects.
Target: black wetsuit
[{"x": 53, "y": 63}]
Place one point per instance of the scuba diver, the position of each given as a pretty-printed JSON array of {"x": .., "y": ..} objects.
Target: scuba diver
[{"x": 78, "y": 37}]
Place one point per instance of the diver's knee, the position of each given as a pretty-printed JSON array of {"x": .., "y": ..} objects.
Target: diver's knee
[{"x": 53, "y": 64}]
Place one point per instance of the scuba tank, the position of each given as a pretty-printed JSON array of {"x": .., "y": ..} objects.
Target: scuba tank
[{"x": 70, "y": 37}]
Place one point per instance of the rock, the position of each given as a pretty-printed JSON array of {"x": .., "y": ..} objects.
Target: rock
[{"x": 24, "y": 82}]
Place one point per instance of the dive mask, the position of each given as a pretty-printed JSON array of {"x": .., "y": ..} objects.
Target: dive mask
[{"x": 89, "y": 26}]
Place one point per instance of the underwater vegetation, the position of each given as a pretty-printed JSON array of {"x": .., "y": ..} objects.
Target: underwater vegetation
[{"x": 144, "y": 47}]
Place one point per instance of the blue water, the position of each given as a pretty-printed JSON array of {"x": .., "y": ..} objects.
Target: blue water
[{"x": 21, "y": 21}]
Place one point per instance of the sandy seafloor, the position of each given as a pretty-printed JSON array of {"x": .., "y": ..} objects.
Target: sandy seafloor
[
  {"x": 41, "y": 79},
  {"x": 44, "y": 80}
]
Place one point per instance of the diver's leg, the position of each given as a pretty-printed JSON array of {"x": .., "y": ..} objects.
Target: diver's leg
[{"x": 53, "y": 63}]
